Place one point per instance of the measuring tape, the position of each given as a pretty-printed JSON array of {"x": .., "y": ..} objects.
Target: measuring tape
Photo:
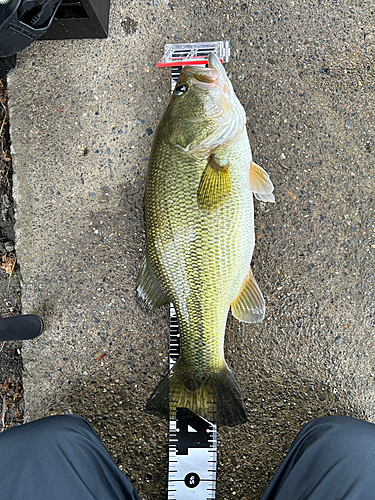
[
  {"x": 192, "y": 443},
  {"x": 192, "y": 439}
]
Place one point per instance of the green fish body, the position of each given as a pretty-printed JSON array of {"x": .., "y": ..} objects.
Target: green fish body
[{"x": 200, "y": 238}]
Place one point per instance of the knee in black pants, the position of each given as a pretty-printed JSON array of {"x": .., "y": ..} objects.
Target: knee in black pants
[{"x": 331, "y": 458}]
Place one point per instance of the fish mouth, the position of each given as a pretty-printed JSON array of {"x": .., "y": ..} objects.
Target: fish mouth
[
  {"x": 214, "y": 64},
  {"x": 202, "y": 77},
  {"x": 207, "y": 78}
]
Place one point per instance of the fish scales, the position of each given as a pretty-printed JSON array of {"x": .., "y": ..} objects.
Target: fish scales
[
  {"x": 198, "y": 258},
  {"x": 200, "y": 239}
]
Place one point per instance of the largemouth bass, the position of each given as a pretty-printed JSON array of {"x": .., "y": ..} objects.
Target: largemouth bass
[{"x": 200, "y": 237}]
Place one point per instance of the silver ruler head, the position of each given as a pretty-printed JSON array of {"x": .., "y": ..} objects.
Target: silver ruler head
[{"x": 177, "y": 55}]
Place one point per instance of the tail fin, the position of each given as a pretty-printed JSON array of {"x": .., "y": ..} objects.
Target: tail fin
[{"x": 200, "y": 392}]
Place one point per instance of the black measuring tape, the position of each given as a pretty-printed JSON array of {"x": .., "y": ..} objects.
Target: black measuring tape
[
  {"x": 192, "y": 439},
  {"x": 192, "y": 443}
]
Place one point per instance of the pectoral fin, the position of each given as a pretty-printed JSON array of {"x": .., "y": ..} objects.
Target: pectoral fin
[
  {"x": 149, "y": 288},
  {"x": 260, "y": 183},
  {"x": 249, "y": 305},
  {"x": 215, "y": 185}
]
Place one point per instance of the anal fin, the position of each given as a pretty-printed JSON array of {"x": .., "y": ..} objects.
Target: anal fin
[
  {"x": 249, "y": 305},
  {"x": 260, "y": 183},
  {"x": 215, "y": 185},
  {"x": 149, "y": 288}
]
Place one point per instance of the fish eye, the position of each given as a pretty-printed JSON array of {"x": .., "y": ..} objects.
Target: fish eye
[{"x": 180, "y": 89}]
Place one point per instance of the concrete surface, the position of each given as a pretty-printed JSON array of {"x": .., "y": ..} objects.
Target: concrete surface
[{"x": 83, "y": 114}]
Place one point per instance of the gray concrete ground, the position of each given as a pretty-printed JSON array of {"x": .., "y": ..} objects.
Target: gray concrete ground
[{"x": 83, "y": 115}]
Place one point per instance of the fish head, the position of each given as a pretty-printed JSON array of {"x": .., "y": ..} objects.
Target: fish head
[{"x": 204, "y": 111}]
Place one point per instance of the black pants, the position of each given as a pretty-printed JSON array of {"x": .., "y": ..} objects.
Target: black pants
[
  {"x": 62, "y": 458},
  {"x": 59, "y": 458},
  {"x": 332, "y": 458}
]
